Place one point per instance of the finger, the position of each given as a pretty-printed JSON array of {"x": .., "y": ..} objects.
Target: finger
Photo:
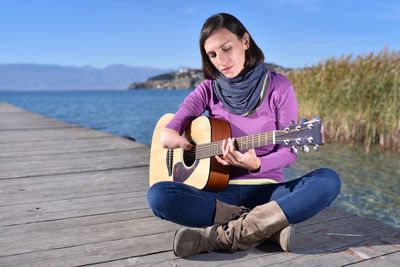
[
  {"x": 230, "y": 151},
  {"x": 232, "y": 146},
  {"x": 234, "y": 157},
  {"x": 251, "y": 151},
  {"x": 224, "y": 160},
  {"x": 220, "y": 160},
  {"x": 187, "y": 146},
  {"x": 227, "y": 149},
  {"x": 224, "y": 147}
]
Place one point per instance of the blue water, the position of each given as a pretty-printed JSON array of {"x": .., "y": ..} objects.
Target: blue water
[
  {"x": 370, "y": 182},
  {"x": 132, "y": 113}
]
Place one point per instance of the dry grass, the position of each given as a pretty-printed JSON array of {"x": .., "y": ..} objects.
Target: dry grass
[{"x": 358, "y": 98}]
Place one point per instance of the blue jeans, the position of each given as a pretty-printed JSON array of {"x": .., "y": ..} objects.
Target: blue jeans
[{"x": 300, "y": 199}]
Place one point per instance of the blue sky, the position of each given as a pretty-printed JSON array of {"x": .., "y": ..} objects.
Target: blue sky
[{"x": 164, "y": 34}]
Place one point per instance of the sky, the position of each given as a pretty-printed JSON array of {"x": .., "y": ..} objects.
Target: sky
[{"x": 164, "y": 34}]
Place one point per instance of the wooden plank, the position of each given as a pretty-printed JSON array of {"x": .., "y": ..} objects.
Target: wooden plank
[
  {"x": 94, "y": 252},
  {"x": 390, "y": 259},
  {"x": 156, "y": 259},
  {"x": 28, "y": 136},
  {"x": 47, "y": 188},
  {"x": 52, "y": 235},
  {"x": 62, "y": 163},
  {"x": 32, "y": 123},
  {"x": 208, "y": 259},
  {"x": 139, "y": 252},
  {"x": 24, "y": 149},
  {"x": 14, "y": 118},
  {"x": 62, "y": 209}
]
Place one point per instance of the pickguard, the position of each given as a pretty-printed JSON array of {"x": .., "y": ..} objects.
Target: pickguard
[{"x": 181, "y": 173}]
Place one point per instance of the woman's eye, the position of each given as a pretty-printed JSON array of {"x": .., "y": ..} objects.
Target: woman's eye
[
  {"x": 212, "y": 55},
  {"x": 225, "y": 49}
]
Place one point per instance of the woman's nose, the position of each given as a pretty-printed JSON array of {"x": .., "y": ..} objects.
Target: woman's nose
[{"x": 222, "y": 60}]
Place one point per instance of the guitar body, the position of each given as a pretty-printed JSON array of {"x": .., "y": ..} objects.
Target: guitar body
[
  {"x": 199, "y": 168},
  {"x": 180, "y": 165}
]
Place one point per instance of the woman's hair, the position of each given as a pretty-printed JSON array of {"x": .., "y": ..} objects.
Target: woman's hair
[{"x": 222, "y": 20}]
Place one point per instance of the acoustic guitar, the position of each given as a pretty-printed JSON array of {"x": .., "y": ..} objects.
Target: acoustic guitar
[{"x": 199, "y": 168}]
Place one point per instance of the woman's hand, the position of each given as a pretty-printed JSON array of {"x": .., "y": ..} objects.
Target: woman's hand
[
  {"x": 248, "y": 160},
  {"x": 171, "y": 139}
]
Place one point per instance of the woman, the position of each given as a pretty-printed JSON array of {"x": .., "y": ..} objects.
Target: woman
[{"x": 257, "y": 204}]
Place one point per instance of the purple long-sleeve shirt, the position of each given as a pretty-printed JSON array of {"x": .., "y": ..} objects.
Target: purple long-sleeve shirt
[{"x": 278, "y": 108}]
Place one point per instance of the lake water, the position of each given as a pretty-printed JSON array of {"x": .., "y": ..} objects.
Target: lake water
[{"x": 370, "y": 182}]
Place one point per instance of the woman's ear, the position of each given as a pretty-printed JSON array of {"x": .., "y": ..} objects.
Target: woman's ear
[{"x": 246, "y": 40}]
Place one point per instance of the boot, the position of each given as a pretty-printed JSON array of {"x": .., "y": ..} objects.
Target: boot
[
  {"x": 248, "y": 231},
  {"x": 284, "y": 238},
  {"x": 190, "y": 241},
  {"x": 225, "y": 212}
]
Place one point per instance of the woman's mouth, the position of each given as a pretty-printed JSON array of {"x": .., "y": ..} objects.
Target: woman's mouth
[{"x": 226, "y": 69}]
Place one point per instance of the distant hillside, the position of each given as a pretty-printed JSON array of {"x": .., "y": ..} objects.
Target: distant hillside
[
  {"x": 184, "y": 79},
  {"x": 53, "y": 77}
]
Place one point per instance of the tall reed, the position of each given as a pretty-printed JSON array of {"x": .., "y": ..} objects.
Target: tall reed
[{"x": 358, "y": 98}]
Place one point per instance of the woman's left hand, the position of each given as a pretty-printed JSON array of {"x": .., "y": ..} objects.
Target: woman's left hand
[{"x": 231, "y": 156}]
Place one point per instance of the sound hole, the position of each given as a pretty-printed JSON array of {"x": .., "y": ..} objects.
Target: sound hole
[{"x": 189, "y": 156}]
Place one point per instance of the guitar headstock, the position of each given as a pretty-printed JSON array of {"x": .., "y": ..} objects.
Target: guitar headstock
[{"x": 304, "y": 134}]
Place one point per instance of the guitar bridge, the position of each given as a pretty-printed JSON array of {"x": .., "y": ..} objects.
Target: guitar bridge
[{"x": 169, "y": 160}]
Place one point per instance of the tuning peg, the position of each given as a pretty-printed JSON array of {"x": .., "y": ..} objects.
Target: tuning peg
[
  {"x": 292, "y": 122},
  {"x": 316, "y": 147},
  {"x": 303, "y": 120},
  {"x": 305, "y": 148},
  {"x": 315, "y": 118},
  {"x": 293, "y": 149}
]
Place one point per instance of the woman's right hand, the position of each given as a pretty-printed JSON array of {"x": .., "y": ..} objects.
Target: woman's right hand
[{"x": 172, "y": 139}]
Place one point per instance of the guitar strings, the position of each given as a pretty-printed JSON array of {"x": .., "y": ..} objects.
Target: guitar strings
[
  {"x": 195, "y": 154},
  {"x": 216, "y": 145},
  {"x": 212, "y": 148}
]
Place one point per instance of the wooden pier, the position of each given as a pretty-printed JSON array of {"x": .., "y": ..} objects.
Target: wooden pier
[{"x": 73, "y": 196}]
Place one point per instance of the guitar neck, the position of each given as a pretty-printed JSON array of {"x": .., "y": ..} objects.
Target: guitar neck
[
  {"x": 308, "y": 133},
  {"x": 242, "y": 143}
]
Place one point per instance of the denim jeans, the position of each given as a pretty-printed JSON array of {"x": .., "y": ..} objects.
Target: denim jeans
[{"x": 300, "y": 199}]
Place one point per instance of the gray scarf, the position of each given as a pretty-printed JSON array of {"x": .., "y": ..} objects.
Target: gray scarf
[{"x": 240, "y": 94}]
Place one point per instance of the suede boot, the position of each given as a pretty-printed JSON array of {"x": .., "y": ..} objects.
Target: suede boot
[
  {"x": 248, "y": 231},
  {"x": 284, "y": 238},
  {"x": 190, "y": 241},
  {"x": 225, "y": 212}
]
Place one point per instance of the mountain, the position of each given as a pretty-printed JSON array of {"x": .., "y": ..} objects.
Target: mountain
[
  {"x": 185, "y": 78},
  {"x": 52, "y": 77}
]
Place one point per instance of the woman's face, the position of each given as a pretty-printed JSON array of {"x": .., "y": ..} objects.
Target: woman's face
[{"x": 226, "y": 51}]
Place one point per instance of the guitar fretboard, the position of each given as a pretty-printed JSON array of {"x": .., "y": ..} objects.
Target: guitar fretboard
[{"x": 243, "y": 143}]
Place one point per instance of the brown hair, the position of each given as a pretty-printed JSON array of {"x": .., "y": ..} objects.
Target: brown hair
[{"x": 229, "y": 22}]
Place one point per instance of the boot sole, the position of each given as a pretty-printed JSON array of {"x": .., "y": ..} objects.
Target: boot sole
[{"x": 173, "y": 243}]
